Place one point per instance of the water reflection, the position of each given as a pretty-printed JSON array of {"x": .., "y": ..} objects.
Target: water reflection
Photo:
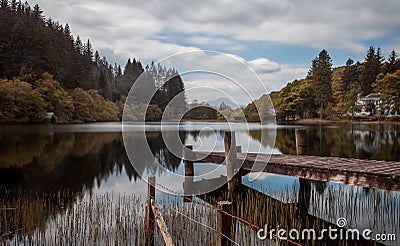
[
  {"x": 378, "y": 142},
  {"x": 78, "y": 164}
]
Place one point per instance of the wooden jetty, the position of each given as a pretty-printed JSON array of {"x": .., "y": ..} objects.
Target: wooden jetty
[
  {"x": 230, "y": 199},
  {"x": 360, "y": 172},
  {"x": 367, "y": 173}
]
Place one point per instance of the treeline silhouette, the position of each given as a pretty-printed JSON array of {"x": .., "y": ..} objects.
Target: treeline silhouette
[{"x": 34, "y": 48}]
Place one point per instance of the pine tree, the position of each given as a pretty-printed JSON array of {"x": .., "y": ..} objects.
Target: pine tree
[
  {"x": 351, "y": 79},
  {"x": 96, "y": 58},
  {"x": 37, "y": 12},
  {"x": 321, "y": 76},
  {"x": 78, "y": 45},
  {"x": 372, "y": 67},
  {"x": 4, "y": 4},
  {"x": 88, "y": 50},
  {"x": 392, "y": 64},
  {"x": 13, "y": 6},
  {"x": 27, "y": 8},
  {"x": 175, "y": 90}
]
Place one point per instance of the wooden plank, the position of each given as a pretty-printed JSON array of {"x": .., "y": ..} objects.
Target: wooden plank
[{"x": 161, "y": 224}]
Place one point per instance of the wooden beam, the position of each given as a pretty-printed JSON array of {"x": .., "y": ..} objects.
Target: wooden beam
[{"x": 161, "y": 224}]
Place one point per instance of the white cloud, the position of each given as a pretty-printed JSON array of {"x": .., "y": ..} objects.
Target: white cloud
[
  {"x": 263, "y": 65},
  {"x": 152, "y": 30},
  {"x": 287, "y": 73},
  {"x": 132, "y": 26},
  {"x": 209, "y": 75}
]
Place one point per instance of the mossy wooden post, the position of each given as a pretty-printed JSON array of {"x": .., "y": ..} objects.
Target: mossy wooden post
[
  {"x": 305, "y": 184},
  {"x": 149, "y": 220},
  {"x": 224, "y": 224},
  {"x": 232, "y": 163},
  {"x": 188, "y": 156}
]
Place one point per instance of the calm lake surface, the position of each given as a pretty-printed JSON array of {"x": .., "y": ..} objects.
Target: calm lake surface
[{"x": 90, "y": 159}]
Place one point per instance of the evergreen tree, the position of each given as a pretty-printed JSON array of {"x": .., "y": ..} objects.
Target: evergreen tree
[
  {"x": 4, "y": 4},
  {"x": 37, "y": 12},
  {"x": 349, "y": 87},
  {"x": 97, "y": 58},
  {"x": 78, "y": 45},
  {"x": 371, "y": 69},
  {"x": 145, "y": 88},
  {"x": 27, "y": 8},
  {"x": 321, "y": 76},
  {"x": 88, "y": 50},
  {"x": 132, "y": 71},
  {"x": 392, "y": 64},
  {"x": 175, "y": 89}
]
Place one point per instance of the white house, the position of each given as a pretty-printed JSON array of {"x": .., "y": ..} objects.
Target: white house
[
  {"x": 368, "y": 105},
  {"x": 372, "y": 104}
]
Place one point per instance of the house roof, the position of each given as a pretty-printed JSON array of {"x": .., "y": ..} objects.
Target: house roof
[{"x": 371, "y": 97}]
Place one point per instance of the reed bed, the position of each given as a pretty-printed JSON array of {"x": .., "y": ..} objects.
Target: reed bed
[{"x": 68, "y": 218}]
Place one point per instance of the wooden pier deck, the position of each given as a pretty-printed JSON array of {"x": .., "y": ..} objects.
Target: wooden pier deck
[{"x": 360, "y": 172}]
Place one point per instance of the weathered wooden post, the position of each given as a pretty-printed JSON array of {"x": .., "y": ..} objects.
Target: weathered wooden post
[
  {"x": 232, "y": 163},
  {"x": 238, "y": 149},
  {"x": 149, "y": 220},
  {"x": 224, "y": 224},
  {"x": 305, "y": 184},
  {"x": 161, "y": 224},
  {"x": 301, "y": 141},
  {"x": 188, "y": 156}
]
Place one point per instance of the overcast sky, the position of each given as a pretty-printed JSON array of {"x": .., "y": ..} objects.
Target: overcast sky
[{"x": 278, "y": 39}]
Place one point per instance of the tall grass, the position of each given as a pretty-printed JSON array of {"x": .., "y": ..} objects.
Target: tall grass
[{"x": 67, "y": 218}]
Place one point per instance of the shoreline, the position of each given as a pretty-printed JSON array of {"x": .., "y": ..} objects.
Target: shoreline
[{"x": 342, "y": 122}]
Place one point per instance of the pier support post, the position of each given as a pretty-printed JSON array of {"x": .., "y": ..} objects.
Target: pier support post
[
  {"x": 305, "y": 184},
  {"x": 189, "y": 172},
  {"x": 232, "y": 163},
  {"x": 224, "y": 224},
  {"x": 301, "y": 141},
  {"x": 187, "y": 160},
  {"x": 149, "y": 220}
]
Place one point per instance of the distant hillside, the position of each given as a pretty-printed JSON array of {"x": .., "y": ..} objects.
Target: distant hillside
[
  {"x": 228, "y": 102},
  {"x": 334, "y": 93}
]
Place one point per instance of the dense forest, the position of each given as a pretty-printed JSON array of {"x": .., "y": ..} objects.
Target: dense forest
[
  {"x": 342, "y": 92},
  {"x": 43, "y": 68}
]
